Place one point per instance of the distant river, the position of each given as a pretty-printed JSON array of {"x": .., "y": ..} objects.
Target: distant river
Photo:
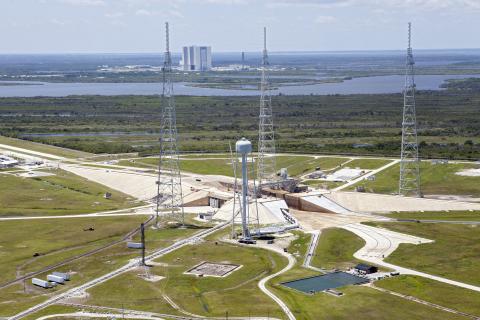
[{"x": 365, "y": 85}]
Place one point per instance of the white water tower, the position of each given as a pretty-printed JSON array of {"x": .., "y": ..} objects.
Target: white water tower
[{"x": 244, "y": 147}]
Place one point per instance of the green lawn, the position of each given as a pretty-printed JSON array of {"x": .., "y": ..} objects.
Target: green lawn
[
  {"x": 86, "y": 268},
  {"x": 55, "y": 239},
  {"x": 205, "y": 155},
  {"x": 443, "y": 294},
  {"x": 370, "y": 164},
  {"x": 60, "y": 194},
  {"x": 335, "y": 249},
  {"x": 44, "y": 148},
  {"x": 434, "y": 179},
  {"x": 358, "y": 302},
  {"x": 296, "y": 165},
  {"x": 440, "y": 215},
  {"x": 453, "y": 255},
  {"x": 206, "y": 296}
]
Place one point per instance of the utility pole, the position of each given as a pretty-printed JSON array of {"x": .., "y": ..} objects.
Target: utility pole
[
  {"x": 142, "y": 232},
  {"x": 266, "y": 137},
  {"x": 169, "y": 183},
  {"x": 409, "y": 183}
]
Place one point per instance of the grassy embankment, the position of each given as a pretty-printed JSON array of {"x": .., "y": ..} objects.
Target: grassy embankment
[
  {"x": 335, "y": 249},
  {"x": 434, "y": 180},
  {"x": 442, "y": 215},
  {"x": 453, "y": 254},
  {"x": 296, "y": 165},
  {"x": 60, "y": 194},
  {"x": 43, "y": 148}
]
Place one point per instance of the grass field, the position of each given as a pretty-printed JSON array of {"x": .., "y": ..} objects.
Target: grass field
[
  {"x": 85, "y": 269},
  {"x": 44, "y": 148},
  {"x": 335, "y": 249},
  {"x": 435, "y": 292},
  {"x": 55, "y": 239},
  {"x": 296, "y": 165},
  {"x": 434, "y": 179},
  {"x": 442, "y": 215},
  {"x": 358, "y": 302},
  {"x": 200, "y": 295},
  {"x": 370, "y": 164},
  {"x": 60, "y": 194},
  {"x": 453, "y": 255}
]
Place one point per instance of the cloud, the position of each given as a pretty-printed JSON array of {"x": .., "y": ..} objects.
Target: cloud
[
  {"x": 90, "y": 3},
  {"x": 324, "y": 4},
  {"x": 114, "y": 15},
  {"x": 426, "y": 4},
  {"x": 57, "y": 22},
  {"x": 227, "y": 2},
  {"x": 324, "y": 19},
  {"x": 145, "y": 12},
  {"x": 176, "y": 14}
]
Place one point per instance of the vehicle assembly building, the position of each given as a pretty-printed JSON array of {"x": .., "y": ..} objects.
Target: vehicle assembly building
[{"x": 196, "y": 58}]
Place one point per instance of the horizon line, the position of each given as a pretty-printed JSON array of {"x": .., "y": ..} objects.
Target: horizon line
[{"x": 229, "y": 51}]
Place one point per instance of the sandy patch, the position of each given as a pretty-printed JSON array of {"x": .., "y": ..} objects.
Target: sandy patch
[{"x": 469, "y": 173}]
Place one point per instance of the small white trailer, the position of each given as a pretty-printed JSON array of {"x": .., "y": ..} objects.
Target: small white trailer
[
  {"x": 43, "y": 283},
  {"x": 55, "y": 278},
  {"x": 134, "y": 245},
  {"x": 65, "y": 276}
]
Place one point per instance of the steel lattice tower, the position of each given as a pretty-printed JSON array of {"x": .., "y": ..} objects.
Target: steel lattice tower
[
  {"x": 266, "y": 137},
  {"x": 409, "y": 165},
  {"x": 169, "y": 190}
]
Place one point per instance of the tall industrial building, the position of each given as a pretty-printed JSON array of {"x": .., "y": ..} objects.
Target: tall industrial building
[{"x": 197, "y": 58}]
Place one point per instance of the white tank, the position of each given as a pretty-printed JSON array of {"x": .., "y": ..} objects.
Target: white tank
[{"x": 243, "y": 146}]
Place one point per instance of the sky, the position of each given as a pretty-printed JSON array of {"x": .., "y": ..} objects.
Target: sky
[{"x": 137, "y": 26}]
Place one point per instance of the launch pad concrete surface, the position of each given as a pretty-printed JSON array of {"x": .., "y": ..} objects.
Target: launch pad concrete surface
[
  {"x": 382, "y": 203},
  {"x": 212, "y": 269}
]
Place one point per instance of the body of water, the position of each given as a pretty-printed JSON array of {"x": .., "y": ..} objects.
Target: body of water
[{"x": 365, "y": 85}]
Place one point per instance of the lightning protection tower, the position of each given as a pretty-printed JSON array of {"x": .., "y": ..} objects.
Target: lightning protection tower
[
  {"x": 169, "y": 183},
  {"x": 409, "y": 164},
  {"x": 266, "y": 138}
]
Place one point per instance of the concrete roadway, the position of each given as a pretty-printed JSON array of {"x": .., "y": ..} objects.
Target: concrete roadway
[{"x": 262, "y": 283}]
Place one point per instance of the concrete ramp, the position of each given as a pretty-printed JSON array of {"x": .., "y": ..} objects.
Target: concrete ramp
[
  {"x": 382, "y": 203},
  {"x": 140, "y": 185},
  {"x": 320, "y": 203},
  {"x": 269, "y": 212}
]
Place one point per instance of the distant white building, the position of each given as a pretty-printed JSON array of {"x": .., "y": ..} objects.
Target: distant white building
[{"x": 196, "y": 58}]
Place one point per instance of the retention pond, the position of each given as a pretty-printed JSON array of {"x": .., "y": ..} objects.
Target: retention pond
[{"x": 324, "y": 282}]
